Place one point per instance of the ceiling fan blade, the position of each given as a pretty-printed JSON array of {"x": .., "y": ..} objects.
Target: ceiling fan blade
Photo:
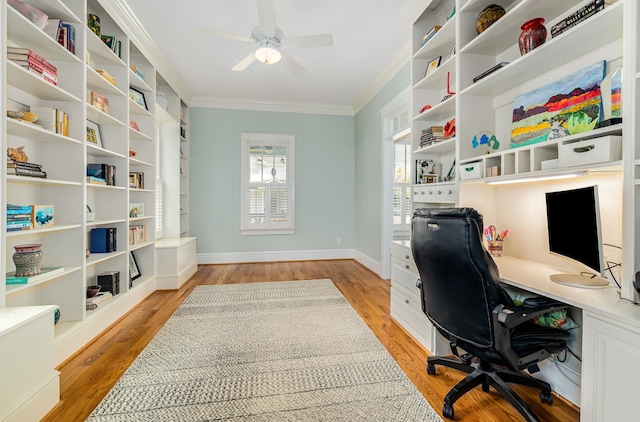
[
  {"x": 307, "y": 41},
  {"x": 244, "y": 63},
  {"x": 224, "y": 34},
  {"x": 292, "y": 65},
  {"x": 267, "y": 17}
]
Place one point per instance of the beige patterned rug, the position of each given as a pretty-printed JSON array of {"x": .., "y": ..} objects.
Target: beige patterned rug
[{"x": 273, "y": 351}]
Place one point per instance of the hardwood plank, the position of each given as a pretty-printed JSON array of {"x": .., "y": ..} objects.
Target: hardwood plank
[{"x": 88, "y": 376}]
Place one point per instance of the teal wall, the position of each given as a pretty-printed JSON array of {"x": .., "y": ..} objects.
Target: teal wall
[
  {"x": 368, "y": 167},
  {"x": 324, "y": 177}
]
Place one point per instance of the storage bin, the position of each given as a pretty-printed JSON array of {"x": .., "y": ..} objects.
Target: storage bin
[
  {"x": 470, "y": 171},
  {"x": 590, "y": 151}
]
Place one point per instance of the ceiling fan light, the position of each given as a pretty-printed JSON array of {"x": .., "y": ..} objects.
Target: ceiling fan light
[{"x": 268, "y": 55}]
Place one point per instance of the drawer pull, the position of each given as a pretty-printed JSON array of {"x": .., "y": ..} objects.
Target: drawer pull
[
  {"x": 586, "y": 148},
  {"x": 407, "y": 267},
  {"x": 406, "y": 301},
  {"x": 406, "y": 257}
]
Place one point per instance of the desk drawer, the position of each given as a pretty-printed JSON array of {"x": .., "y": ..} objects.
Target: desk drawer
[
  {"x": 402, "y": 252},
  {"x": 407, "y": 312},
  {"x": 404, "y": 275}
]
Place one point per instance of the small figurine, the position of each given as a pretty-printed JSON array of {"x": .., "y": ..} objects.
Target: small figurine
[{"x": 17, "y": 154}]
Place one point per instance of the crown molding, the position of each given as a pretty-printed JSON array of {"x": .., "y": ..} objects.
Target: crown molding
[
  {"x": 275, "y": 106},
  {"x": 396, "y": 63},
  {"x": 127, "y": 20}
]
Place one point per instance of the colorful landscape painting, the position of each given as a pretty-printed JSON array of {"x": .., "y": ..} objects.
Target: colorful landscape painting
[{"x": 574, "y": 102}]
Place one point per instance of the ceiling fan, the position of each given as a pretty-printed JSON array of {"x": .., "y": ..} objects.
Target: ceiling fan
[{"x": 269, "y": 38}]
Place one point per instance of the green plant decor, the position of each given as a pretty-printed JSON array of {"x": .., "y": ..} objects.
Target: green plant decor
[{"x": 579, "y": 122}]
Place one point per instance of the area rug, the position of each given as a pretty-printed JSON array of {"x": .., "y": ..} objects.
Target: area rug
[{"x": 272, "y": 351}]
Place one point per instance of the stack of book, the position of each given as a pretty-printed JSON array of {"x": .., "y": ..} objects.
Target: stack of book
[
  {"x": 52, "y": 119},
  {"x": 33, "y": 63},
  {"x": 136, "y": 179},
  {"x": 62, "y": 32},
  {"x": 101, "y": 174},
  {"x": 107, "y": 76},
  {"x": 23, "y": 168},
  {"x": 98, "y": 300},
  {"x": 99, "y": 101},
  {"x": 431, "y": 135},
  {"x": 19, "y": 217}
]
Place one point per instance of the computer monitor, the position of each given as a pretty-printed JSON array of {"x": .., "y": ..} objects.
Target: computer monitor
[{"x": 573, "y": 225}]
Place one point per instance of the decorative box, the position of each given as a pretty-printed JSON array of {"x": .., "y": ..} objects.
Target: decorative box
[
  {"x": 590, "y": 151},
  {"x": 470, "y": 171}
]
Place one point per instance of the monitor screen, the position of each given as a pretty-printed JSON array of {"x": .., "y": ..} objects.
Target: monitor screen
[{"x": 573, "y": 223}]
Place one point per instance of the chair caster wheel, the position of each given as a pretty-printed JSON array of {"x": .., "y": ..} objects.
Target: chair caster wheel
[
  {"x": 447, "y": 411},
  {"x": 546, "y": 397},
  {"x": 485, "y": 387},
  {"x": 431, "y": 369}
]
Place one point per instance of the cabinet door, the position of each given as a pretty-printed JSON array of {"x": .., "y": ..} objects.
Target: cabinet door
[{"x": 611, "y": 370}]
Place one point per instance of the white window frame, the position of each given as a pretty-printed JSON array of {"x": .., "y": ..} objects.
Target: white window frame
[{"x": 249, "y": 139}]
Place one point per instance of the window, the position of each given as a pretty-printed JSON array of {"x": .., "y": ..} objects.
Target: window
[
  {"x": 402, "y": 188},
  {"x": 267, "y": 183}
]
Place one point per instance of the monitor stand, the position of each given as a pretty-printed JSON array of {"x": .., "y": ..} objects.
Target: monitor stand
[{"x": 579, "y": 280}]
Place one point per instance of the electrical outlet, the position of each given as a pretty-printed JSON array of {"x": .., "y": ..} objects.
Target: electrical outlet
[{"x": 338, "y": 241}]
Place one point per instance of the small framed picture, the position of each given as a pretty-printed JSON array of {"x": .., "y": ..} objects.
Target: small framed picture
[
  {"x": 42, "y": 216},
  {"x": 93, "y": 133},
  {"x": 138, "y": 97},
  {"x": 134, "y": 270},
  {"x": 432, "y": 66},
  {"x": 136, "y": 210}
]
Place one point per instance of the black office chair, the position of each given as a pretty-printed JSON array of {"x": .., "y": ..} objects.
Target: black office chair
[{"x": 463, "y": 298}]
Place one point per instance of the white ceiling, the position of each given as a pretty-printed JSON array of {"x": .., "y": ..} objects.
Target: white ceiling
[{"x": 368, "y": 35}]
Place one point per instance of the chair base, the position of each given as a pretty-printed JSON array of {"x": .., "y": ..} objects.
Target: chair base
[{"x": 485, "y": 374}]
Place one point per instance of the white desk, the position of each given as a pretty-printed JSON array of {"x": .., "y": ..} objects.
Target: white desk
[
  {"x": 609, "y": 335},
  {"x": 610, "y": 339}
]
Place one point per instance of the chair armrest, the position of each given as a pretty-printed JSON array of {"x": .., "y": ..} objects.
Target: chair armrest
[{"x": 511, "y": 317}]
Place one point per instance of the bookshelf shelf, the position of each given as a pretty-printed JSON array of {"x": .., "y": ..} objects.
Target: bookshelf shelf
[
  {"x": 38, "y": 87},
  {"x": 100, "y": 53},
  {"x": 37, "y": 232},
  {"x": 16, "y": 288},
  {"x": 37, "y": 133},
  {"x": 101, "y": 118},
  {"x": 98, "y": 258},
  {"x": 100, "y": 84}
]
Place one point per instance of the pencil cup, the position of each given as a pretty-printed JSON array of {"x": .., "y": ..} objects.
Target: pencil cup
[{"x": 495, "y": 247}]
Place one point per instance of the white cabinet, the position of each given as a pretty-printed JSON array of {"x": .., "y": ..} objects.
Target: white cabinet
[
  {"x": 406, "y": 306},
  {"x": 610, "y": 372}
]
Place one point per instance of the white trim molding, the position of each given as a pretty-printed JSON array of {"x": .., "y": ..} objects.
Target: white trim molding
[
  {"x": 275, "y": 106},
  {"x": 369, "y": 262},
  {"x": 273, "y": 256}
]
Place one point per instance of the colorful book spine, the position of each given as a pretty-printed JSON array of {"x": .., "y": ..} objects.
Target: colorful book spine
[{"x": 24, "y": 54}]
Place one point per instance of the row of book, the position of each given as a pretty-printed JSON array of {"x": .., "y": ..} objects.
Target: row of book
[
  {"x": 103, "y": 240},
  {"x": 136, "y": 180},
  {"x": 19, "y": 217},
  {"x": 430, "y": 34},
  {"x": 112, "y": 42},
  {"x": 63, "y": 32},
  {"x": 431, "y": 135},
  {"x": 137, "y": 234},
  {"x": 33, "y": 63},
  {"x": 23, "y": 168},
  {"x": 101, "y": 174},
  {"x": 99, "y": 101},
  {"x": 52, "y": 119}
]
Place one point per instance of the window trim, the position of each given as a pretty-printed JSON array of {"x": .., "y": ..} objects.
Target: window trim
[{"x": 284, "y": 139}]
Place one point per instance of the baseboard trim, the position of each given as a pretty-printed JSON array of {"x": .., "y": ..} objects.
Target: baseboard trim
[
  {"x": 370, "y": 263},
  {"x": 272, "y": 256}
]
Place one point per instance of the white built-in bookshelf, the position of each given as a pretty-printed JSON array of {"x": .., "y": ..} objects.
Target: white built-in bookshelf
[{"x": 128, "y": 141}]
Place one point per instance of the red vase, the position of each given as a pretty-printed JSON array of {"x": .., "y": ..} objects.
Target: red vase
[{"x": 533, "y": 35}]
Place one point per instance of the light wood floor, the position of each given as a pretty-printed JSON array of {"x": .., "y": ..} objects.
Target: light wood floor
[{"x": 89, "y": 375}]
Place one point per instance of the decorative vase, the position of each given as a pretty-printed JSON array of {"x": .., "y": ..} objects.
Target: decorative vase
[
  {"x": 488, "y": 16},
  {"x": 533, "y": 35},
  {"x": 27, "y": 259}
]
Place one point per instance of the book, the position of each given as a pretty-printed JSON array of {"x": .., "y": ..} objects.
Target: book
[
  {"x": 52, "y": 119},
  {"x": 24, "y": 164},
  {"x": 30, "y": 55},
  {"x": 71, "y": 37},
  {"x": 98, "y": 300},
  {"x": 578, "y": 16},
  {"x": 16, "y": 280},
  {"x": 96, "y": 180},
  {"x": 18, "y": 209},
  {"x": 98, "y": 101},
  {"x": 19, "y": 171},
  {"x": 490, "y": 71},
  {"x": 430, "y": 34},
  {"x": 53, "y": 28},
  {"x": 103, "y": 240},
  {"x": 45, "y": 273},
  {"x": 107, "y": 76},
  {"x": 102, "y": 171}
]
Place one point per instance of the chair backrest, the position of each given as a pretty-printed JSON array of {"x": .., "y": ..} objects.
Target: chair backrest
[{"x": 460, "y": 280}]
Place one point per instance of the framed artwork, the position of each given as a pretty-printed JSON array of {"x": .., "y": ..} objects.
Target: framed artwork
[
  {"x": 432, "y": 66},
  {"x": 93, "y": 133},
  {"x": 572, "y": 103},
  {"x": 136, "y": 210},
  {"x": 42, "y": 216},
  {"x": 134, "y": 271},
  {"x": 138, "y": 97}
]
